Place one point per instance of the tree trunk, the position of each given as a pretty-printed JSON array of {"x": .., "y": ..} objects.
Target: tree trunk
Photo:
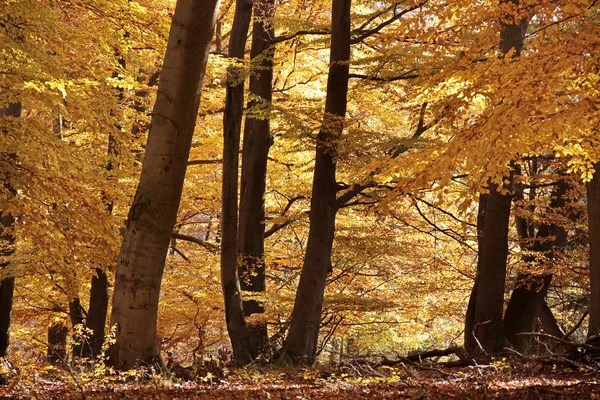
[
  {"x": 484, "y": 314},
  {"x": 232, "y": 121},
  {"x": 493, "y": 252},
  {"x": 257, "y": 140},
  {"x": 7, "y": 287},
  {"x": 526, "y": 303},
  {"x": 593, "y": 205},
  {"x": 57, "y": 343},
  {"x": 469, "y": 340},
  {"x": 301, "y": 344},
  {"x": 7, "y": 284},
  {"x": 98, "y": 307},
  {"x": 528, "y": 298},
  {"x": 154, "y": 211},
  {"x": 96, "y": 317}
]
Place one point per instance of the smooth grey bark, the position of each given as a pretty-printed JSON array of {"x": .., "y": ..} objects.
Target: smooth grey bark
[
  {"x": 7, "y": 284},
  {"x": 593, "y": 206},
  {"x": 301, "y": 343},
  {"x": 154, "y": 210},
  {"x": 255, "y": 151},
  {"x": 232, "y": 122}
]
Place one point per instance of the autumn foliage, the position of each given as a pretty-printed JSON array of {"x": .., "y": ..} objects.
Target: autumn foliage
[{"x": 357, "y": 172}]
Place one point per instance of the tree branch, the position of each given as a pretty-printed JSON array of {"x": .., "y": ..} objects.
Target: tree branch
[
  {"x": 213, "y": 248},
  {"x": 365, "y": 34},
  {"x": 278, "y": 226},
  {"x": 279, "y": 39},
  {"x": 404, "y": 76}
]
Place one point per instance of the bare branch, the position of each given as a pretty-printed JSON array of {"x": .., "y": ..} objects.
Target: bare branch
[
  {"x": 365, "y": 34},
  {"x": 208, "y": 246},
  {"x": 404, "y": 76},
  {"x": 289, "y": 36}
]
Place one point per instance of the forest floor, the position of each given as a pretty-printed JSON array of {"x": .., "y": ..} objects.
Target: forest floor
[{"x": 500, "y": 380}]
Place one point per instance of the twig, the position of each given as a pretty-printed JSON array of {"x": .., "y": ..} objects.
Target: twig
[{"x": 476, "y": 339}]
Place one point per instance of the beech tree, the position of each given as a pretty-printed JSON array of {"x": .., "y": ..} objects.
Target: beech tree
[
  {"x": 255, "y": 151},
  {"x": 432, "y": 112},
  {"x": 301, "y": 343},
  {"x": 232, "y": 121},
  {"x": 541, "y": 245},
  {"x": 483, "y": 324},
  {"x": 7, "y": 282},
  {"x": 154, "y": 209},
  {"x": 593, "y": 207}
]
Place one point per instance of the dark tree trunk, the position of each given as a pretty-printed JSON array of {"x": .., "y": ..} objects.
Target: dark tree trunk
[
  {"x": 7, "y": 283},
  {"x": 493, "y": 252},
  {"x": 593, "y": 205},
  {"x": 96, "y": 316},
  {"x": 526, "y": 303},
  {"x": 154, "y": 211},
  {"x": 528, "y": 298},
  {"x": 469, "y": 340},
  {"x": 234, "y": 105},
  {"x": 301, "y": 343},
  {"x": 98, "y": 307},
  {"x": 7, "y": 287},
  {"x": 257, "y": 140},
  {"x": 57, "y": 343},
  {"x": 484, "y": 314}
]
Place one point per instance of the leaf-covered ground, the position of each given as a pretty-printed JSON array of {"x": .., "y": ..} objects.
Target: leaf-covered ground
[{"x": 353, "y": 382}]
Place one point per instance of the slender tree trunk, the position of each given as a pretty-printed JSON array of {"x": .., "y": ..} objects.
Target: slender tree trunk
[
  {"x": 593, "y": 205},
  {"x": 96, "y": 316},
  {"x": 7, "y": 284},
  {"x": 7, "y": 287},
  {"x": 154, "y": 210},
  {"x": 257, "y": 140},
  {"x": 232, "y": 121},
  {"x": 469, "y": 341},
  {"x": 98, "y": 307},
  {"x": 301, "y": 343},
  {"x": 76, "y": 316}
]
